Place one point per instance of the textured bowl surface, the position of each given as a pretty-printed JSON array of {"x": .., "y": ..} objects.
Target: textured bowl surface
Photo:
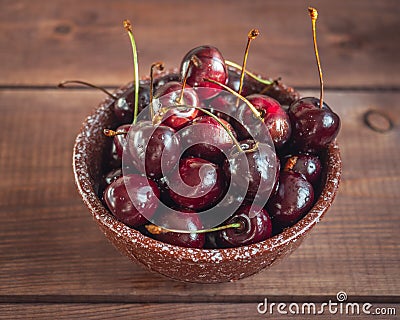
[{"x": 185, "y": 264}]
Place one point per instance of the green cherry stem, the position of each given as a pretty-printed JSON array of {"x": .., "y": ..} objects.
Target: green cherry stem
[
  {"x": 128, "y": 27},
  {"x": 250, "y": 74},
  {"x": 153, "y": 229}
]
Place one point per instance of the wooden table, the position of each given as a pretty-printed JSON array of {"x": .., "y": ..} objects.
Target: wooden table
[{"x": 55, "y": 263}]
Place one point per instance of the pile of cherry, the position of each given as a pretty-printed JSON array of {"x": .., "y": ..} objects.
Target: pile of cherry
[
  {"x": 300, "y": 133},
  {"x": 236, "y": 110}
]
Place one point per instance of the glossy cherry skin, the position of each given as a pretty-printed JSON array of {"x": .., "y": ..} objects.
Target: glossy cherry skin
[
  {"x": 148, "y": 145},
  {"x": 119, "y": 140},
  {"x": 113, "y": 175},
  {"x": 212, "y": 66},
  {"x": 184, "y": 219},
  {"x": 275, "y": 118},
  {"x": 168, "y": 96},
  {"x": 160, "y": 81},
  {"x": 213, "y": 140},
  {"x": 197, "y": 184},
  {"x": 313, "y": 127},
  {"x": 293, "y": 200},
  {"x": 250, "y": 85},
  {"x": 308, "y": 165},
  {"x": 255, "y": 226},
  {"x": 127, "y": 207},
  {"x": 124, "y": 105},
  {"x": 254, "y": 171}
]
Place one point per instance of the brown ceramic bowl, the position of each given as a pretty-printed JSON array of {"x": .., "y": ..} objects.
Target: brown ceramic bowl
[{"x": 186, "y": 264}]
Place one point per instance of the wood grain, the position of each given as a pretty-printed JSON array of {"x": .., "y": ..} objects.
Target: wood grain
[
  {"x": 55, "y": 263},
  {"x": 43, "y": 42},
  {"x": 52, "y": 251}
]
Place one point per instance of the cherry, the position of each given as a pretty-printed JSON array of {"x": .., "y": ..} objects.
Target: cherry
[
  {"x": 126, "y": 205},
  {"x": 253, "y": 171},
  {"x": 250, "y": 85},
  {"x": 213, "y": 138},
  {"x": 119, "y": 140},
  {"x": 196, "y": 184},
  {"x": 282, "y": 93},
  {"x": 294, "y": 198},
  {"x": 314, "y": 124},
  {"x": 185, "y": 219},
  {"x": 274, "y": 116},
  {"x": 211, "y": 65},
  {"x": 148, "y": 145},
  {"x": 124, "y": 105},
  {"x": 160, "y": 81},
  {"x": 255, "y": 226},
  {"x": 168, "y": 95},
  {"x": 113, "y": 175},
  {"x": 313, "y": 127},
  {"x": 308, "y": 165}
]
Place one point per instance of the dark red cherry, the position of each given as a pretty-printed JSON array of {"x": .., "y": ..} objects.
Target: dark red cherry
[
  {"x": 197, "y": 184},
  {"x": 113, "y": 175},
  {"x": 253, "y": 171},
  {"x": 283, "y": 94},
  {"x": 160, "y": 81},
  {"x": 223, "y": 106},
  {"x": 308, "y": 165},
  {"x": 293, "y": 200},
  {"x": 184, "y": 219},
  {"x": 124, "y": 105},
  {"x": 168, "y": 95},
  {"x": 206, "y": 138},
  {"x": 275, "y": 118},
  {"x": 119, "y": 140},
  {"x": 250, "y": 85},
  {"x": 313, "y": 128},
  {"x": 255, "y": 226},
  {"x": 126, "y": 205},
  {"x": 211, "y": 65},
  {"x": 148, "y": 145}
]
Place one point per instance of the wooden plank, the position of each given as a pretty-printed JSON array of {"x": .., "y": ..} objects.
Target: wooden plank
[
  {"x": 51, "y": 250},
  {"x": 43, "y": 42},
  {"x": 179, "y": 311}
]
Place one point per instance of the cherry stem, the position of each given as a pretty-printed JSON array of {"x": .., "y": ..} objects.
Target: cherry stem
[
  {"x": 153, "y": 229},
  {"x": 253, "y": 33},
  {"x": 160, "y": 67},
  {"x": 194, "y": 60},
  {"x": 112, "y": 133},
  {"x": 314, "y": 16},
  {"x": 128, "y": 27},
  {"x": 87, "y": 84},
  {"x": 290, "y": 163},
  {"x": 250, "y": 74},
  {"x": 247, "y": 102}
]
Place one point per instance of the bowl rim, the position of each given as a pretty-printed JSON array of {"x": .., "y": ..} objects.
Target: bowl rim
[{"x": 105, "y": 218}]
